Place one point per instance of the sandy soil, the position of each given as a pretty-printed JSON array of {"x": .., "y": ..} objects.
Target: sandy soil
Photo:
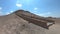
[
  {"x": 55, "y": 29},
  {"x": 13, "y": 24}
]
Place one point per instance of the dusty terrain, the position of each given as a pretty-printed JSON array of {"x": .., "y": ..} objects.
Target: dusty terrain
[
  {"x": 13, "y": 24},
  {"x": 55, "y": 29}
]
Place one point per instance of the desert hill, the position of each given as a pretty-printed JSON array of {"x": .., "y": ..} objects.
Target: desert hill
[{"x": 24, "y": 22}]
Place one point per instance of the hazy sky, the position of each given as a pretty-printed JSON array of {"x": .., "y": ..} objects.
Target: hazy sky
[{"x": 39, "y": 7}]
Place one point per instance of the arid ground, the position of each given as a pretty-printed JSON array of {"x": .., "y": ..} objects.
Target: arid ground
[
  {"x": 12, "y": 24},
  {"x": 55, "y": 29}
]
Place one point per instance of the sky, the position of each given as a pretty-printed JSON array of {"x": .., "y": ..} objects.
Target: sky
[{"x": 39, "y": 7}]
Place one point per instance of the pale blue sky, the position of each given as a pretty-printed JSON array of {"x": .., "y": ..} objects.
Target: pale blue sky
[{"x": 39, "y": 7}]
